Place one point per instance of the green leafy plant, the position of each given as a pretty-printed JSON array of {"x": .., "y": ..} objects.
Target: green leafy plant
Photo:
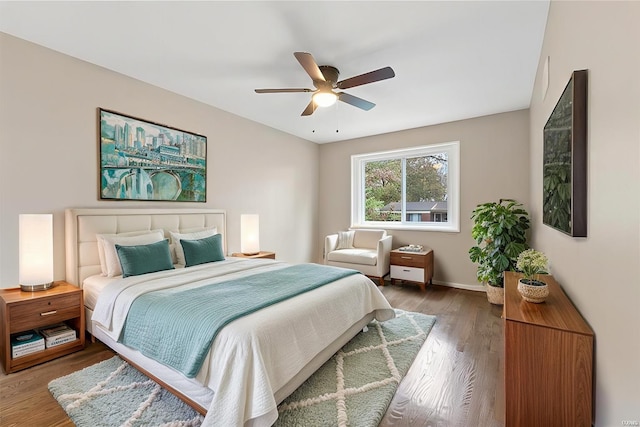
[
  {"x": 531, "y": 263},
  {"x": 500, "y": 233}
]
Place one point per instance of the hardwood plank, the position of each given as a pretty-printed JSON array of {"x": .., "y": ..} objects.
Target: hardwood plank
[
  {"x": 456, "y": 379},
  {"x": 25, "y": 399}
]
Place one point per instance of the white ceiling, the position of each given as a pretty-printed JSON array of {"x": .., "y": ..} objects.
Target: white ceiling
[{"x": 453, "y": 59}]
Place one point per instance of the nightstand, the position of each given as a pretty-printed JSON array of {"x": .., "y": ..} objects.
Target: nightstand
[
  {"x": 412, "y": 266},
  {"x": 22, "y": 311},
  {"x": 261, "y": 254}
]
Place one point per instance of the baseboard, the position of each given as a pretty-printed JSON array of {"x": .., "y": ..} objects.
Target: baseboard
[{"x": 477, "y": 288}]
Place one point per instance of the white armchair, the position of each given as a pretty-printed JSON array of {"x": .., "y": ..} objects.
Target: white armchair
[{"x": 368, "y": 251}]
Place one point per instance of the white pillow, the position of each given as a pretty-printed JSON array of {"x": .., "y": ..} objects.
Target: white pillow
[
  {"x": 195, "y": 235},
  {"x": 112, "y": 262},
  {"x": 100, "y": 238},
  {"x": 345, "y": 239}
]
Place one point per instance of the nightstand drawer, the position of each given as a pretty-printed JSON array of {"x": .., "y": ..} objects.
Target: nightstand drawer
[
  {"x": 40, "y": 312},
  {"x": 411, "y": 274},
  {"x": 408, "y": 259}
]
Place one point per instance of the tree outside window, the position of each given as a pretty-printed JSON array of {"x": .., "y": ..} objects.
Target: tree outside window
[{"x": 410, "y": 186}]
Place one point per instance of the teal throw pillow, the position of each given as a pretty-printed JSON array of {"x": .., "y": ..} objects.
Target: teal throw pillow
[
  {"x": 142, "y": 259},
  {"x": 200, "y": 251}
]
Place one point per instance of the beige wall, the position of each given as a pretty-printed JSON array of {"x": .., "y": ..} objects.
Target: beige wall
[
  {"x": 494, "y": 164},
  {"x": 48, "y": 162},
  {"x": 49, "y": 157},
  {"x": 600, "y": 273}
]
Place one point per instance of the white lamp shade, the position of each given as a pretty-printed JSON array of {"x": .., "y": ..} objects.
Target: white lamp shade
[
  {"x": 36, "y": 249},
  {"x": 249, "y": 234}
]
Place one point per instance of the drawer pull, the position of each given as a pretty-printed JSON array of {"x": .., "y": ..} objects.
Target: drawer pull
[
  {"x": 406, "y": 270},
  {"x": 48, "y": 313},
  {"x": 406, "y": 257}
]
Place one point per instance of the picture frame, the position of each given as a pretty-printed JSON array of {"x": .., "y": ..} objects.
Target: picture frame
[
  {"x": 143, "y": 160},
  {"x": 564, "y": 204}
]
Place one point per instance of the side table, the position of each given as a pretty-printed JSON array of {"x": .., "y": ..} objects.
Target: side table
[
  {"x": 23, "y": 311},
  {"x": 414, "y": 267},
  {"x": 261, "y": 254}
]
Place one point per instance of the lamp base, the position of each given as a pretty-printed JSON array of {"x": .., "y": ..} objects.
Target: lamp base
[{"x": 35, "y": 288}]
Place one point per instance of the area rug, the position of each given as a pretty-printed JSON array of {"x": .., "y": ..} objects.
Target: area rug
[{"x": 353, "y": 388}]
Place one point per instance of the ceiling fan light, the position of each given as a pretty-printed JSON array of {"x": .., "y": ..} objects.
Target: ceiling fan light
[{"x": 325, "y": 99}]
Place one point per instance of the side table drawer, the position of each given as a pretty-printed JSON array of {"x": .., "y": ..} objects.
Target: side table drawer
[
  {"x": 412, "y": 274},
  {"x": 46, "y": 311},
  {"x": 408, "y": 259}
]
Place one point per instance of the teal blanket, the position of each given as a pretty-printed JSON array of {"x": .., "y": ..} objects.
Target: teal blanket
[{"x": 177, "y": 329}]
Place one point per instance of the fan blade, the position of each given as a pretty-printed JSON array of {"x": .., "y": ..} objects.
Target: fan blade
[
  {"x": 282, "y": 90},
  {"x": 355, "y": 101},
  {"x": 309, "y": 64},
  {"x": 310, "y": 109},
  {"x": 363, "y": 79}
]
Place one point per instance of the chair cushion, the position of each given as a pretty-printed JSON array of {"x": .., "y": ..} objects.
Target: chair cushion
[
  {"x": 345, "y": 239},
  {"x": 354, "y": 256},
  {"x": 368, "y": 238}
]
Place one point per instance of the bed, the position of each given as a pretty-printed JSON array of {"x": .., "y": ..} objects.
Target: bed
[{"x": 255, "y": 361}]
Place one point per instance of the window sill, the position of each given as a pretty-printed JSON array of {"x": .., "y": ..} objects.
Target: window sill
[{"x": 448, "y": 228}]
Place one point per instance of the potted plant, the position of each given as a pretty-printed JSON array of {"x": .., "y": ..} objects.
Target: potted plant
[
  {"x": 499, "y": 230},
  {"x": 532, "y": 263}
]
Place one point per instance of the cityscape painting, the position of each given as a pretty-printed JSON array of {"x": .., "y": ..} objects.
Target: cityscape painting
[{"x": 141, "y": 160}]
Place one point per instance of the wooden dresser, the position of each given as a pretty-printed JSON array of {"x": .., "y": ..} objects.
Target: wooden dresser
[{"x": 548, "y": 360}]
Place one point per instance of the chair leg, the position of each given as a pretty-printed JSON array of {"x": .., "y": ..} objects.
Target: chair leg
[{"x": 381, "y": 280}]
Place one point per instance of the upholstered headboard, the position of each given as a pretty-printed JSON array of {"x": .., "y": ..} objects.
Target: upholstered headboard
[{"x": 82, "y": 225}]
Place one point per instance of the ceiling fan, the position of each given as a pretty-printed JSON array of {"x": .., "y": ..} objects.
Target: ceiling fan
[{"x": 325, "y": 79}]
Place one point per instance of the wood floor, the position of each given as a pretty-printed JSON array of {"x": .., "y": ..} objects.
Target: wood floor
[{"x": 456, "y": 379}]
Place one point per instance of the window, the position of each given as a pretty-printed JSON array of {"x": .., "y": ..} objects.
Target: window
[
  {"x": 414, "y": 217},
  {"x": 440, "y": 217},
  {"x": 416, "y": 188}
]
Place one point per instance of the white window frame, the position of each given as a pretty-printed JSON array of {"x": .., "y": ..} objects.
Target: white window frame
[{"x": 358, "y": 162}]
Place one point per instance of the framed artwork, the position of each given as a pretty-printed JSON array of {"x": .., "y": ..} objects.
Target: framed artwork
[
  {"x": 564, "y": 189},
  {"x": 142, "y": 160}
]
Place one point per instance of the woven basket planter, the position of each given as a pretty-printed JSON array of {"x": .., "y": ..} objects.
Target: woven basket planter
[
  {"x": 533, "y": 293},
  {"x": 495, "y": 294}
]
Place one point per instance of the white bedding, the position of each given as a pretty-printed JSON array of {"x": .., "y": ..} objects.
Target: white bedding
[
  {"x": 258, "y": 354},
  {"x": 92, "y": 286}
]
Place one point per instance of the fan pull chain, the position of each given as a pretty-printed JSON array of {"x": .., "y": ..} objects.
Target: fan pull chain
[{"x": 315, "y": 121}]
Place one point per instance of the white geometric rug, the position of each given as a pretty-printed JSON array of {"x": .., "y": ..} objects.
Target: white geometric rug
[
  {"x": 113, "y": 393},
  {"x": 353, "y": 388}
]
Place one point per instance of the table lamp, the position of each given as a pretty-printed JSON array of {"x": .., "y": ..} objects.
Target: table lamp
[
  {"x": 35, "y": 251},
  {"x": 250, "y": 234}
]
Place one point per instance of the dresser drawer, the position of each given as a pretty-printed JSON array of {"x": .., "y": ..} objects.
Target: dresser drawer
[
  {"x": 412, "y": 274},
  {"x": 408, "y": 259},
  {"x": 40, "y": 312}
]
